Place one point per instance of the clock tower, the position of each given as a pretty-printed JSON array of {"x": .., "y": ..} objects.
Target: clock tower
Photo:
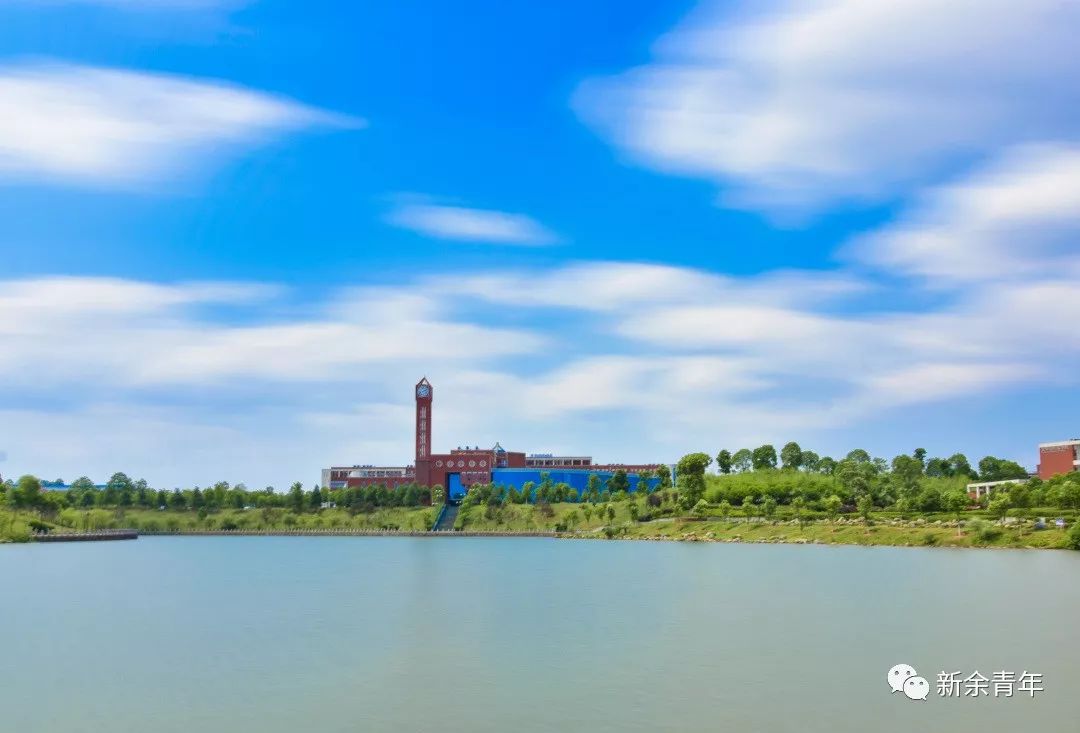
[{"x": 423, "y": 393}]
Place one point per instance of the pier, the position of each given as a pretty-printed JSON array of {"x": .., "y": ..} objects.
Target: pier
[{"x": 100, "y": 535}]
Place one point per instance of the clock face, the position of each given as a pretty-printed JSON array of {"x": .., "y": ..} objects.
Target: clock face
[{"x": 423, "y": 390}]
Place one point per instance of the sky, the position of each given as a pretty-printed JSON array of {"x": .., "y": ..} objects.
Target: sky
[{"x": 234, "y": 234}]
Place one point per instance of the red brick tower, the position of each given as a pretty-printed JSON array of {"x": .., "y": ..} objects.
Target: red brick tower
[{"x": 424, "y": 394}]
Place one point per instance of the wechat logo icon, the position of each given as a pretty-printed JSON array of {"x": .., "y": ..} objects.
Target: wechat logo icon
[{"x": 903, "y": 678}]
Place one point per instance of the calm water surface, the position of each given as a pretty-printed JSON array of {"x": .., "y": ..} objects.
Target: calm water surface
[{"x": 394, "y": 634}]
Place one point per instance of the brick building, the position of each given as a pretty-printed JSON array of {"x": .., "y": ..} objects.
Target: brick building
[
  {"x": 462, "y": 467},
  {"x": 1058, "y": 458}
]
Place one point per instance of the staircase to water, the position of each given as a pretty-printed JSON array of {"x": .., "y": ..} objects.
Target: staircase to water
[{"x": 446, "y": 519}]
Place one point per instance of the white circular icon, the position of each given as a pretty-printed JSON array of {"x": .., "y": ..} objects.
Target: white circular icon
[
  {"x": 916, "y": 688},
  {"x": 899, "y": 674}
]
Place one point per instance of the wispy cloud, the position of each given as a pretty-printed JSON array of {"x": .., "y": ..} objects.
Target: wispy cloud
[
  {"x": 790, "y": 105},
  {"x": 1017, "y": 218},
  {"x": 633, "y": 378},
  {"x": 97, "y": 126},
  {"x": 471, "y": 225}
]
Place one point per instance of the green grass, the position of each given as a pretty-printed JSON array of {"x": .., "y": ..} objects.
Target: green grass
[
  {"x": 826, "y": 532},
  {"x": 885, "y": 529}
]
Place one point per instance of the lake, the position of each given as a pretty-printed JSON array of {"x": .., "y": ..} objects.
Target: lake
[{"x": 238, "y": 634}]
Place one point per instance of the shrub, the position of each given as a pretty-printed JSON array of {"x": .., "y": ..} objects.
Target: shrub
[
  {"x": 1073, "y": 541},
  {"x": 930, "y": 539},
  {"x": 19, "y": 532},
  {"x": 984, "y": 531}
]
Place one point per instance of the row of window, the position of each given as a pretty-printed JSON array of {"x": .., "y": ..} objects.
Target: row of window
[{"x": 461, "y": 464}]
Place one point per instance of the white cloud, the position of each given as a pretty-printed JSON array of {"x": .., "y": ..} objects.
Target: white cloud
[
  {"x": 1016, "y": 219},
  {"x": 471, "y": 225},
  {"x": 795, "y": 105},
  {"x": 612, "y": 286},
  {"x": 109, "y": 368},
  {"x": 129, "y": 334},
  {"x": 99, "y": 126}
]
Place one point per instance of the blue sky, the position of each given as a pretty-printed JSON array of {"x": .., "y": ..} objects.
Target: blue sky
[{"x": 235, "y": 233}]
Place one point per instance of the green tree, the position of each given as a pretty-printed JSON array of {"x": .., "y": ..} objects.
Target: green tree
[
  {"x": 920, "y": 456},
  {"x": 663, "y": 473},
  {"x": 610, "y": 513},
  {"x": 956, "y": 502},
  {"x": 811, "y": 461},
  {"x": 690, "y": 474},
  {"x": 764, "y": 457},
  {"x": 1000, "y": 503},
  {"x": 593, "y": 488},
  {"x": 568, "y": 493},
  {"x": 634, "y": 511},
  {"x": 572, "y": 518},
  {"x": 748, "y": 506},
  {"x": 1073, "y": 539},
  {"x": 827, "y": 466},
  {"x": 725, "y": 509},
  {"x": 177, "y": 502},
  {"x": 743, "y": 460},
  {"x": 791, "y": 455},
  {"x": 832, "y": 505},
  {"x": 724, "y": 461},
  {"x": 858, "y": 456},
  {"x": 906, "y": 474},
  {"x": 798, "y": 504},
  {"x": 866, "y": 507},
  {"x": 768, "y": 507},
  {"x": 296, "y": 497},
  {"x": 618, "y": 481},
  {"x": 27, "y": 492},
  {"x": 120, "y": 482},
  {"x": 83, "y": 483},
  {"x": 855, "y": 476},
  {"x": 938, "y": 468},
  {"x": 958, "y": 462},
  {"x": 642, "y": 487},
  {"x": 1000, "y": 469},
  {"x": 1021, "y": 495}
]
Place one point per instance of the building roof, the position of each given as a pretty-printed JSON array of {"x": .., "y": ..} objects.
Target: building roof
[{"x": 1060, "y": 443}]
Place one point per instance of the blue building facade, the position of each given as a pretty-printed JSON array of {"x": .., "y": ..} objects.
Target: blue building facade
[{"x": 575, "y": 478}]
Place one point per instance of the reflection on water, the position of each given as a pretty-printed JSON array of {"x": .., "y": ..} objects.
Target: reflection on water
[{"x": 395, "y": 634}]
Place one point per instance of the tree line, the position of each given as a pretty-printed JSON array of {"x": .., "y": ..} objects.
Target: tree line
[
  {"x": 907, "y": 483},
  {"x": 758, "y": 479},
  {"x": 122, "y": 492},
  {"x": 793, "y": 457}
]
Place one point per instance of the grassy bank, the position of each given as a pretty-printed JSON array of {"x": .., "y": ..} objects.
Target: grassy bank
[
  {"x": 843, "y": 533},
  {"x": 17, "y": 527},
  {"x": 930, "y": 530},
  {"x": 614, "y": 520}
]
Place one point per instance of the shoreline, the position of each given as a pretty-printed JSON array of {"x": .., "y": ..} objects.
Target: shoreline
[{"x": 594, "y": 535}]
